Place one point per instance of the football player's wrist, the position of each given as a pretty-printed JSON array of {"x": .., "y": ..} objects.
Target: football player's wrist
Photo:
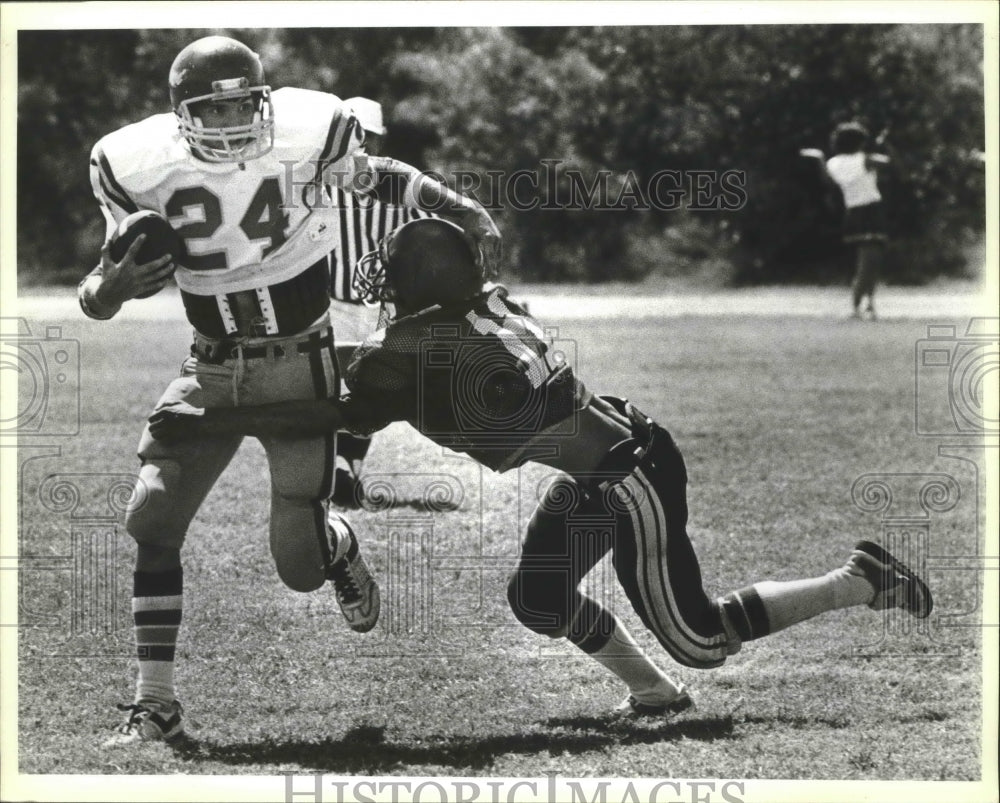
[
  {"x": 95, "y": 301},
  {"x": 109, "y": 295}
]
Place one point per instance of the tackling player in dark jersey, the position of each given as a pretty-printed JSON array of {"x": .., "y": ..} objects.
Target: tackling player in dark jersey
[{"x": 472, "y": 371}]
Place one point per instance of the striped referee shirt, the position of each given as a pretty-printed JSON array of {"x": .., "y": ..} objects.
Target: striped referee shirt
[{"x": 363, "y": 222}]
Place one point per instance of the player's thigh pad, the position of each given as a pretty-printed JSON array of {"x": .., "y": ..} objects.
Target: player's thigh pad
[
  {"x": 562, "y": 543},
  {"x": 299, "y": 542},
  {"x": 302, "y": 478},
  {"x": 175, "y": 477},
  {"x": 301, "y": 481}
]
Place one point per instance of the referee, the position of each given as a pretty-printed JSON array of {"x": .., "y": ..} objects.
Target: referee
[{"x": 363, "y": 222}]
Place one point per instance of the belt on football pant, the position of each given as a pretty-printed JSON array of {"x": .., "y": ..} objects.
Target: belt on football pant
[{"x": 217, "y": 351}]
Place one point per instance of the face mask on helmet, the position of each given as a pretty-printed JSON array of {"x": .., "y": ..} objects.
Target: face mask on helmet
[
  {"x": 218, "y": 69},
  {"x": 370, "y": 281}
]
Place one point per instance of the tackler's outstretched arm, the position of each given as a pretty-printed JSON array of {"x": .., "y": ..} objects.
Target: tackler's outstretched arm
[
  {"x": 291, "y": 419},
  {"x": 422, "y": 191}
]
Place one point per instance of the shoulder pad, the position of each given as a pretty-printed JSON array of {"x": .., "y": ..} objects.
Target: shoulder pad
[
  {"x": 308, "y": 125},
  {"x": 140, "y": 153}
]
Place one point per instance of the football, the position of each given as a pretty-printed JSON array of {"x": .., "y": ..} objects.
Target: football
[{"x": 161, "y": 239}]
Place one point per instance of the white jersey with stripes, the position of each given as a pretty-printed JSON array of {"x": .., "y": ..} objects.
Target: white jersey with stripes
[{"x": 246, "y": 225}]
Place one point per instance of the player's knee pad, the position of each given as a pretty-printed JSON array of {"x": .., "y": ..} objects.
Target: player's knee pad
[
  {"x": 299, "y": 575},
  {"x": 298, "y": 541},
  {"x": 153, "y": 517},
  {"x": 298, "y": 566}
]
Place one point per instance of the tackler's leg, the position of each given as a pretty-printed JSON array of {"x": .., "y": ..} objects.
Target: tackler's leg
[
  {"x": 173, "y": 482},
  {"x": 645, "y": 486},
  {"x": 353, "y": 322},
  {"x": 871, "y": 576},
  {"x": 660, "y": 571},
  {"x": 561, "y": 545},
  {"x": 348, "y": 492}
]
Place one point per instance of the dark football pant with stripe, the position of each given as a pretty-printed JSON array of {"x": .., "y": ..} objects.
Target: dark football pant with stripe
[
  {"x": 175, "y": 478},
  {"x": 637, "y": 508},
  {"x": 566, "y": 538},
  {"x": 653, "y": 556}
]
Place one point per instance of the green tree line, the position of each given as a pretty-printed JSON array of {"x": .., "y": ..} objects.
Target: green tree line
[{"x": 564, "y": 131}]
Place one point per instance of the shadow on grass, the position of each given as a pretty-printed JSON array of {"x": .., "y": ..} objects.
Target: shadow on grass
[{"x": 364, "y": 750}]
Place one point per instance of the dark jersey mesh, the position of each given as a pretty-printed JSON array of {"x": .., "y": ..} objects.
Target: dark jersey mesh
[{"x": 479, "y": 378}]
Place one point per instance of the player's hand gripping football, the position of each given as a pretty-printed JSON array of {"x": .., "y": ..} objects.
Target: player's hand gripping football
[
  {"x": 127, "y": 279},
  {"x": 176, "y": 422}
]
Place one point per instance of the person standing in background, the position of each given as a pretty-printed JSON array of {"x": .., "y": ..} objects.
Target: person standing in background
[
  {"x": 855, "y": 172},
  {"x": 363, "y": 222}
]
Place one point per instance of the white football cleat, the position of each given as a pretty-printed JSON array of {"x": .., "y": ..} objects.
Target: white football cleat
[
  {"x": 357, "y": 592},
  {"x": 631, "y": 708},
  {"x": 148, "y": 721}
]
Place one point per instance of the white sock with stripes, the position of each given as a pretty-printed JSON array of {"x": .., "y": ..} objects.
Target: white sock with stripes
[{"x": 156, "y": 614}]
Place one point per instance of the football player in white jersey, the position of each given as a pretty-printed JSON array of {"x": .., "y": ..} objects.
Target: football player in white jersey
[{"x": 240, "y": 172}]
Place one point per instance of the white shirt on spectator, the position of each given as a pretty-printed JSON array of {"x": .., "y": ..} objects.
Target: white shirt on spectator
[{"x": 856, "y": 180}]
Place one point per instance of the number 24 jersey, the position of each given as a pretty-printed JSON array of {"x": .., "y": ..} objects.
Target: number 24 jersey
[{"x": 263, "y": 227}]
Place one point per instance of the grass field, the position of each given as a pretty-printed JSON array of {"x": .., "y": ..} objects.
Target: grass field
[{"x": 778, "y": 418}]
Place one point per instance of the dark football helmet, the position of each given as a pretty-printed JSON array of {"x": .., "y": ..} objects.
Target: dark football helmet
[
  {"x": 423, "y": 263},
  {"x": 219, "y": 68}
]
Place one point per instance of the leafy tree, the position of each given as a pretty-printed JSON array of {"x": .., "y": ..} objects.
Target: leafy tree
[{"x": 611, "y": 105}]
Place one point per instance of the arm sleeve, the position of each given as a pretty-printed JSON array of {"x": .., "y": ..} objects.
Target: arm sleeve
[
  {"x": 399, "y": 183},
  {"x": 343, "y": 162},
  {"x": 383, "y": 388},
  {"x": 112, "y": 198}
]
